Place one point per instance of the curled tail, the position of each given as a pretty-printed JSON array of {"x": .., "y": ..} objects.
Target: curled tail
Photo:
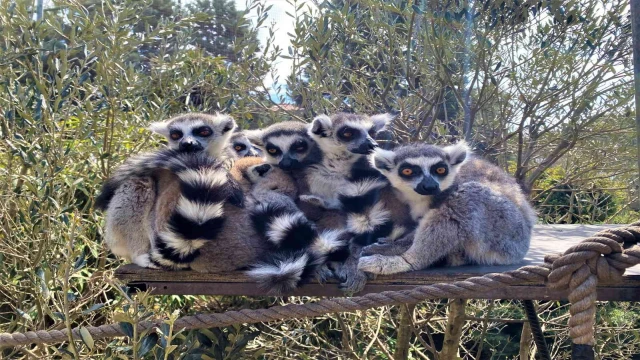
[
  {"x": 145, "y": 165},
  {"x": 296, "y": 249},
  {"x": 367, "y": 217},
  {"x": 198, "y": 216}
]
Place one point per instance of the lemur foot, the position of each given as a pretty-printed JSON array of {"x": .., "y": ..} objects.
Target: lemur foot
[
  {"x": 144, "y": 261},
  {"x": 372, "y": 264},
  {"x": 319, "y": 202},
  {"x": 354, "y": 282},
  {"x": 324, "y": 274}
]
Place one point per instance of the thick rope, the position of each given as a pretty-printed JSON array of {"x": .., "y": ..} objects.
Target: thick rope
[{"x": 600, "y": 257}]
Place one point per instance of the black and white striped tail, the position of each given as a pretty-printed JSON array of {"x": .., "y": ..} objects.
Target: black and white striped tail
[
  {"x": 144, "y": 165},
  {"x": 296, "y": 252},
  {"x": 367, "y": 218},
  {"x": 198, "y": 216}
]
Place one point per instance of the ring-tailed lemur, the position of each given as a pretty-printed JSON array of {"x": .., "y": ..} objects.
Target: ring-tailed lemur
[
  {"x": 469, "y": 211},
  {"x": 129, "y": 201},
  {"x": 241, "y": 146},
  {"x": 204, "y": 187}
]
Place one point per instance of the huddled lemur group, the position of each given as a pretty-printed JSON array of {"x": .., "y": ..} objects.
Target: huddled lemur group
[{"x": 297, "y": 201}]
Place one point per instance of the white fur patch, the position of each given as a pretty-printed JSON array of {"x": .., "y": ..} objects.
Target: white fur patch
[
  {"x": 380, "y": 121},
  {"x": 281, "y": 225},
  {"x": 361, "y": 187},
  {"x": 327, "y": 241},
  {"x": 157, "y": 257},
  {"x": 362, "y": 223},
  {"x": 180, "y": 245},
  {"x": 383, "y": 157},
  {"x": 209, "y": 178},
  {"x": 397, "y": 232},
  {"x": 199, "y": 212},
  {"x": 291, "y": 267}
]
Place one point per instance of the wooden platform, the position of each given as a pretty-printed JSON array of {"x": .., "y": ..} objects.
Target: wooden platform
[{"x": 547, "y": 239}]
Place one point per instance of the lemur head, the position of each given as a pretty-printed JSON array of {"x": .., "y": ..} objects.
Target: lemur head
[
  {"x": 286, "y": 144},
  {"x": 197, "y": 132},
  {"x": 256, "y": 176},
  {"x": 241, "y": 145},
  {"x": 421, "y": 168},
  {"x": 348, "y": 132}
]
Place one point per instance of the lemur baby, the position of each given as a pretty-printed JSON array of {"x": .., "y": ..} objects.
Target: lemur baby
[
  {"x": 130, "y": 200},
  {"x": 469, "y": 211}
]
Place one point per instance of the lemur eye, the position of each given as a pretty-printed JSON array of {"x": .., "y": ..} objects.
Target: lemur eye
[
  {"x": 407, "y": 172},
  {"x": 238, "y": 148},
  {"x": 175, "y": 134},
  {"x": 441, "y": 170},
  {"x": 272, "y": 151},
  {"x": 347, "y": 134},
  {"x": 300, "y": 146},
  {"x": 203, "y": 131}
]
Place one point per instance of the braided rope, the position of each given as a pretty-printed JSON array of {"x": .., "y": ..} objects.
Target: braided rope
[{"x": 598, "y": 258}]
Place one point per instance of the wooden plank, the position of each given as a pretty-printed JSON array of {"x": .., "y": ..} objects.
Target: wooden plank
[{"x": 547, "y": 239}]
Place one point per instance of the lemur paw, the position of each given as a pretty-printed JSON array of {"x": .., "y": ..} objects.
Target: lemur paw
[
  {"x": 354, "y": 283},
  {"x": 381, "y": 248},
  {"x": 324, "y": 274},
  {"x": 313, "y": 200},
  {"x": 144, "y": 261},
  {"x": 371, "y": 264}
]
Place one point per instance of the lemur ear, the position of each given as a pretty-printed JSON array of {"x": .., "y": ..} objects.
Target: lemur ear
[
  {"x": 380, "y": 121},
  {"x": 382, "y": 159},
  {"x": 458, "y": 152},
  {"x": 254, "y": 137},
  {"x": 228, "y": 123},
  {"x": 159, "y": 127},
  {"x": 321, "y": 126}
]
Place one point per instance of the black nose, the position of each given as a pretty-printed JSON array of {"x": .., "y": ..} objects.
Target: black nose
[
  {"x": 365, "y": 148},
  {"x": 428, "y": 186},
  {"x": 262, "y": 169},
  {"x": 190, "y": 146},
  {"x": 287, "y": 163}
]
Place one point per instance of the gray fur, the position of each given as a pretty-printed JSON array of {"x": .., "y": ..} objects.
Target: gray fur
[{"x": 484, "y": 218}]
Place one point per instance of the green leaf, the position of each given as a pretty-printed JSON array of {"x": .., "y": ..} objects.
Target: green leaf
[
  {"x": 86, "y": 337},
  {"x": 148, "y": 343},
  {"x": 93, "y": 308},
  {"x": 417, "y": 9},
  {"x": 127, "y": 328}
]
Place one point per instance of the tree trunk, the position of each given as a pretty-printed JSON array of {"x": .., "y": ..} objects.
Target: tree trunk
[
  {"x": 404, "y": 332},
  {"x": 455, "y": 322}
]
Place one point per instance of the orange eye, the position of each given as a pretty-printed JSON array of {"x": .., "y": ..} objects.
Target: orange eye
[
  {"x": 238, "y": 148},
  {"x": 441, "y": 171},
  {"x": 407, "y": 172},
  {"x": 347, "y": 134},
  {"x": 272, "y": 151},
  {"x": 175, "y": 135}
]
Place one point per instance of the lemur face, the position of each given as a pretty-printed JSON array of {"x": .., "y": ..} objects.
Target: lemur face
[
  {"x": 196, "y": 132},
  {"x": 268, "y": 178},
  {"x": 242, "y": 147},
  {"x": 420, "y": 168},
  {"x": 348, "y": 132},
  {"x": 286, "y": 145}
]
